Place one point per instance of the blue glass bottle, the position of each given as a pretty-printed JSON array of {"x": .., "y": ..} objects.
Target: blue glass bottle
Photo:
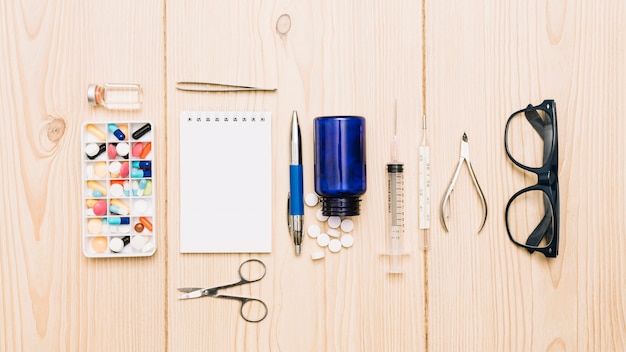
[{"x": 339, "y": 157}]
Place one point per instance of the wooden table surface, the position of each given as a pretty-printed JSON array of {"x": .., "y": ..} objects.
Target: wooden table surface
[{"x": 467, "y": 65}]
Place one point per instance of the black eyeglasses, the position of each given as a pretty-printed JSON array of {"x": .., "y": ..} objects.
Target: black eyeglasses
[{"x": 532, "y": 214}]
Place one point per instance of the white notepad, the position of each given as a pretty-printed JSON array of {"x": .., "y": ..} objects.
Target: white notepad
[{"x": 225, "y": 182}]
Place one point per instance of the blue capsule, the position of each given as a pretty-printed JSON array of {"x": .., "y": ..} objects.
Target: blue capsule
[
  {"x": 117, "y": 132},
  {"x": 119, "y": 221},
  {"x": 143, "y": 164},
  {"x": 138, "y": 173}
]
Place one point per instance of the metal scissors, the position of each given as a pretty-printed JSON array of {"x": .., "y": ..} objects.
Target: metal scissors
[
  {"x": 252, "y": 310},
  {"x": 465, "y": 156}
]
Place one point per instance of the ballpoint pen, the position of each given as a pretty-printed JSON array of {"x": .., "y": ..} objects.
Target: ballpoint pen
[{"x": 296, "y": 198}]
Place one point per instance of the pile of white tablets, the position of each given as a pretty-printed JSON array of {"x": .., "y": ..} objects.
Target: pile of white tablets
[{"x": 336, "y": 234}]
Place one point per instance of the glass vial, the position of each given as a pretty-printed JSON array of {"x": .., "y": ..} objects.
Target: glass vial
[
  {"x": 339, "y": 163},
  {"x": 115, "y": 96}
]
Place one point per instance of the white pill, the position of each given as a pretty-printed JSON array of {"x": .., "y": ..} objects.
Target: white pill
[
  {"x": 116, "y": 190},
  {"x": 333, "y": 233},
  {"x": 334, "y": 245},
  {"x": 91, "y": 172},
  {"x": 140, "y": 206},
  {"x": 138, "y": 242},
  {"x": 92, "y": 149},
  {"x": 323, "y": 239},
  {"x": 124, "y": 228},
  {"x": 117, "y": 244},
  {"x": 313, "y": 231},
  {"x": 149, "y": 247},
  {"x": 320, "y": 216},
  {"x": 311, "y": 199},
  {"x": 122, "y": 149},
  {"x": 115, "y": 167},
  {"x": 347, "y": 240},
  {"x": 317, "y": 255},
  {"x": 334, "y": 222},
  {"x": 347, "y": 225}
]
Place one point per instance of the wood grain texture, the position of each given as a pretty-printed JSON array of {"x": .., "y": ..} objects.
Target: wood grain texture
[
  {"x": 486, "y": 293},
  {"x": 52, "y": 297},
  {"x": 334, "y": 58},
  {"x": 484, "y": 60}
]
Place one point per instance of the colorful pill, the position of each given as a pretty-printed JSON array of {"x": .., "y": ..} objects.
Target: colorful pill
[
  {"x": 148, "y": 190},
  {"x": 124, "y": 129},
  {"x": 94, "y": 226},
  {"x": 124, "y": 169},
  {"x": 120, "y": 204},
  {"x": 142, "y": 164},
  {"x": 101, "y": 148},
  {"x": 146, "y": 150},
  {"x": 91, "y": 202},
  {"x": 138, "y": 227},
  {"x": 119, "y": 221},
  {"x": 111, "y": 151},
  {"x": 117, "y": 244},
  {"x": 122, "y": 149},
  {"x": 100, "y": 208},
  {"x": 117, "y": 132},
  {"x": 127, "y": 188},
  {"x": 142, "y": 131},
  {"x": 99, "y": 244},
  {"x": 146, "y": 223},
  {"x": 96, "y": 186},
  {"x": 135, "y": 187},
  {"x": 100, "y": 169},
  {"x": 96, "y": 132},
  {"x": 139, "y": 173},
  {"x": 137, "y": 149},
  {"x": 117, "y": 210}
]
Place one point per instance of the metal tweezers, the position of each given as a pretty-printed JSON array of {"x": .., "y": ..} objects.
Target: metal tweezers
[
  {"x": 465, "y": 156},
  {"x": 217, "y": 87}
]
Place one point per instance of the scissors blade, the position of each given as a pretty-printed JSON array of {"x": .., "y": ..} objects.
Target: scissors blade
[
  {"x": 189, "y": 289},
  {"x": 193, "y": 294}
]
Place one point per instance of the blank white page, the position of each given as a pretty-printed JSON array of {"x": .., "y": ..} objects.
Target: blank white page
[{"x": 225, "y": 182}]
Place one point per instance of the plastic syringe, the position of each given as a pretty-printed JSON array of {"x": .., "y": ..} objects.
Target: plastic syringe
[
  {"x": 424, "y": 190},
  {"x": 395, "y": 207}
]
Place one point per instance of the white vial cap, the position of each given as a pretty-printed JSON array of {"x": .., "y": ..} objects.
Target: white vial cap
[
  {"x": 334, "y": 222},
  {"x": 323, "y": 240},
  {"x": 320, "y": 216},
  {"x": 334, "y": 245},
  {"x": 333, "y": 233},
  {"x": 313, "y": 231},
  {"x": 347, "y": 240},
  {"x": 311, "y": 199},
  {"x": 347, "y": 225},
  {"x": 317, "y": 255}
]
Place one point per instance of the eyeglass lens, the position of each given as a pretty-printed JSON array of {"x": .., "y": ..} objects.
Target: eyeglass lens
[
  {"x": 530, "y": 137},
  {"x": 530, "y": 219}
]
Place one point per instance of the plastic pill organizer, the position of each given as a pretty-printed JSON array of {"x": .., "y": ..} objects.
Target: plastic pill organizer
[{"x": 118, "y": 190}]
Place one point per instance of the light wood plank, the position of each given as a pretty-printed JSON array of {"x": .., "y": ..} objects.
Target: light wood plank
[
  {"x": 490, "y": 59},
  {"x": 336, "y": 58},
  {"x": 52, "y": 297}
]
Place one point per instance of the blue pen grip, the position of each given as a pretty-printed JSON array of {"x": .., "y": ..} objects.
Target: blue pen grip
[{"x": 296, "y": 190}]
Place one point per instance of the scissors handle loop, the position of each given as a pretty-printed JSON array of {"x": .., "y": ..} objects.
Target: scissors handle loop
[{"x": 253, "y": 310}]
